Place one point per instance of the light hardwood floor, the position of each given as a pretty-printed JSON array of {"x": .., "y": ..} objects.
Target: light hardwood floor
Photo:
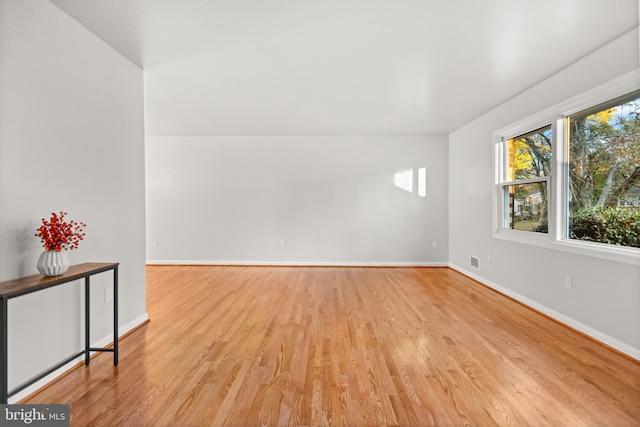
[{"x": 245, "y": 346}]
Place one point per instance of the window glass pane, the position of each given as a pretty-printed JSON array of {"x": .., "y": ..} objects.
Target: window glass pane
[
  {"x": 526, "y": 207},
  {"x": 604, "y": 173},
  {"x": 529, "y": 155}
]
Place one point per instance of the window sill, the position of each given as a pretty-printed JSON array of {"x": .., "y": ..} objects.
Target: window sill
[{"x": 627, "y": 255}]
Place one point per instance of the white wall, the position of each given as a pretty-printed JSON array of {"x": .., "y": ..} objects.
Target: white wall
[
  {"x": 605, "y": 301},
  {"x": 71, "y": 138},
  {"x": 295, "y": 200}
]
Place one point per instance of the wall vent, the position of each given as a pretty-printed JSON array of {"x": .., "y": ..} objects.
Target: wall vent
[{"x": 475, "y": 262}]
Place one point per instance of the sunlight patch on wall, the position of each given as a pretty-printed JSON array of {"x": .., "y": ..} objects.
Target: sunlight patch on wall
[
  {"x": 408, "y": 180},
  {"x": 422, "y": 182},
  {"x": 404, "y": 180}
]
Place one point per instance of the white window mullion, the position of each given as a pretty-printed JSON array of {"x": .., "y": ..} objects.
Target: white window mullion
[{"x": 559, "y": 187}]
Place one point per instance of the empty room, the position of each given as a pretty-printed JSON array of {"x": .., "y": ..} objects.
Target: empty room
[{"x": 358, "y": 213}]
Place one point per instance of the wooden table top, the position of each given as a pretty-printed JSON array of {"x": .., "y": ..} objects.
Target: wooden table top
[{"x": 29, "y": 284}]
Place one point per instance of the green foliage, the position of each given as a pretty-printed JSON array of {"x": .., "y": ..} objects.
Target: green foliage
[
  {"x": 616, "y": 226},
  {"x": 543, "y": 227}
]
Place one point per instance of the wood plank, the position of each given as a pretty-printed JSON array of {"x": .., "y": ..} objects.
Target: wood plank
[{"x": 307, "y": 346}]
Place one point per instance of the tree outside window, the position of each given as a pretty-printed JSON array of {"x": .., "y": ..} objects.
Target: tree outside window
[
  {"x": 604, "y": 173},
  {"x": 528, "y": 167}
]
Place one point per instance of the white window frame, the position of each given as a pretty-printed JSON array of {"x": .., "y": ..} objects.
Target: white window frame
[
  {"x": 557, "y": 183},
  {"x": 501, "y": 182}
]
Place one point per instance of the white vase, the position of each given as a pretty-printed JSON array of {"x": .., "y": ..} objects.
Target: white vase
[{"x": 53, "y": 263}]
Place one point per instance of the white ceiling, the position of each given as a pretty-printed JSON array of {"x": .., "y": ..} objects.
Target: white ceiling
[{"x": 278, "y": 67}]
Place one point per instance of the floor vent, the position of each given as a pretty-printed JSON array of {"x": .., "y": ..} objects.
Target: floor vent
[{"x": 475, "y": 262}]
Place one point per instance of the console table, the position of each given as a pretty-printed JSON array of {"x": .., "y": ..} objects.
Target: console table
[{"x": 35, "y": 283}]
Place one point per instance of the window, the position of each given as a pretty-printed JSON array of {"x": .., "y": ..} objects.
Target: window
[
  {"x": 604, "y": 173},
  {"x": 569, "y": 176},
  {"x": 525, "y": 184}
]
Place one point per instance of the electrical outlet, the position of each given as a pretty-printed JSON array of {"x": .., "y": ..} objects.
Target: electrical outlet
[
  {"x": 435, "y": 243},
  {"x": 568, "y": 282},
  {"x": 108, "y": 294}
]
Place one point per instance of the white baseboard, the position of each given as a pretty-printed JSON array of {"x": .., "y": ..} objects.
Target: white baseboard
[
  {"x": 303, "y": 263},
  {"x": 572, "y": 323},
  {"x": 57, "y": 373}
]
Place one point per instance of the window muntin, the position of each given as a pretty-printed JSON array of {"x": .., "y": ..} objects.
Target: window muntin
[{"x": 604, "y": 173}]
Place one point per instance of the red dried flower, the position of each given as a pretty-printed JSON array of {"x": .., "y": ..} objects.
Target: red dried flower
[{"x": 60, "y": 235}]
